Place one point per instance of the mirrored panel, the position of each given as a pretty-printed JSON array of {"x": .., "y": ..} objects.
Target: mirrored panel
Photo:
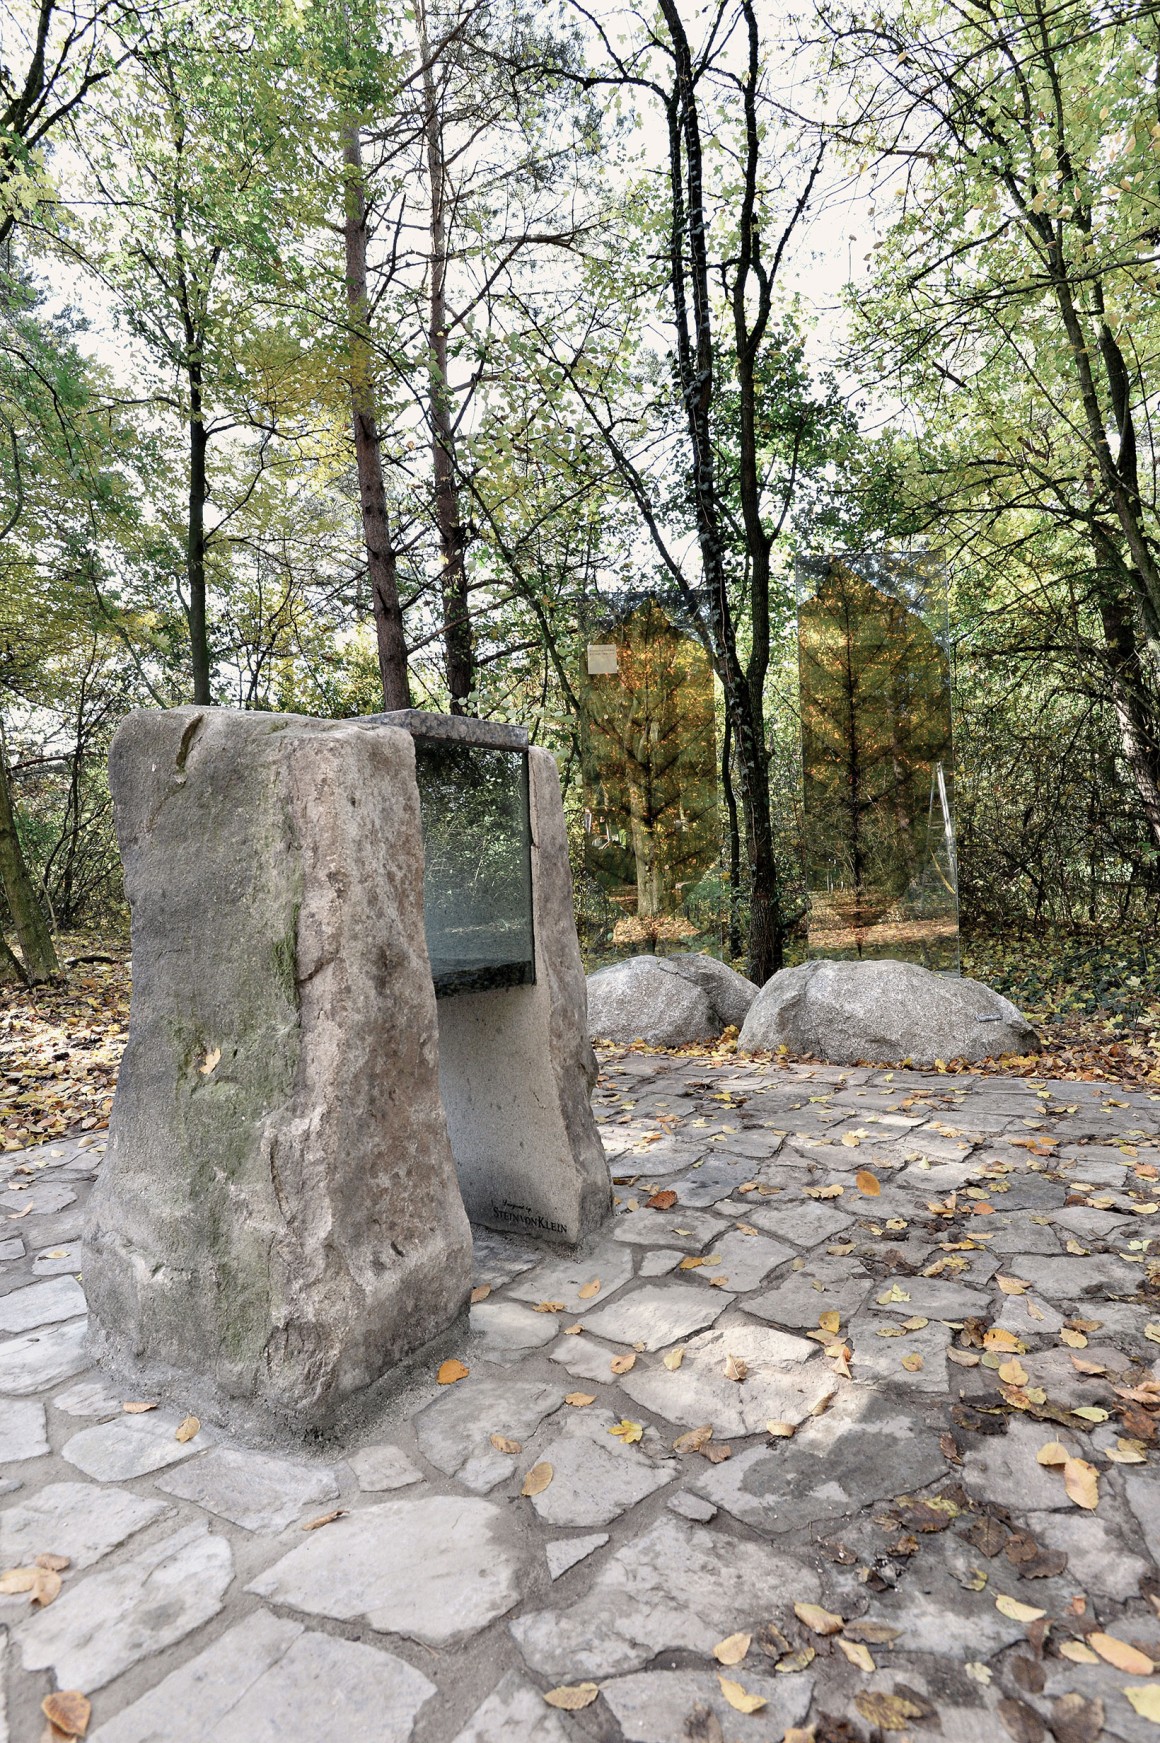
[
  {"x": 477, "y": 879},
  {"x": 651, "y": 825},
  {"x": 877, "y": 759}
]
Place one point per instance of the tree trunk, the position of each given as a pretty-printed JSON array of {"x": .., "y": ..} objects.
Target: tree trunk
[
  {"x": 195, "y": 538},
  {"x": 458, "y": 639},
  {"x": 689, "y": 277},
  {"x": 1133, "y": 703},
  {"x": 734, "y": 931},
  {"x": 382, "y": 570},
  {"x": 28, "y": 918}
]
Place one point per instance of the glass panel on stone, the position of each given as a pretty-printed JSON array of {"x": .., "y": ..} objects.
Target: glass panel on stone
[
  {"x": 877, "y": 759},
  {"x": 651, "y": 824},
  {"x": 477, "y": 879}
]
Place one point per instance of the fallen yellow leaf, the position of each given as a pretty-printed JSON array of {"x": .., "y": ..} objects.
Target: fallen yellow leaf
[
  {"x": 548, "y": 1307},
  {"x": 780, "y": 1430},
  {"x": 579, "y": 1399},
  {"x": 627, "y": 1431},
  {"x": 1119, "y": 1654},
  {"x": 571, "y": 1698},
  {"x": 817, "y": 1620},
  {"x": 503, "y": 1444},
  {"x": 480, "y": 1292},
  {"x": 1017, "y": 1612},
  {"x": 210, "y": 1063},
  {"x": 673, "y": 1359},
  {"x": 867, "y": 1183},
  {"x": 138, "y": 1406},
  {"x": 1013, "y": 1372},
  {"x": 890, "y": 1711},
  {"x": 1074, "y": 1339},
  {"x": 738, "y": 1699},
  {"x": 1081, "y": 1481},
  {"x": 694, "y": 1439},
  {"x": 732, "y": 1649},
  {"x": 996, "y": 1338},
  {"x": 735, "y": 1368},
  {"x": 912, "y": 1363},
  {"x": 588, "y": 1290},
  {"x": 537, "y": 1479},
  {"x": 186, "y": 1428},
  {"x": 1011, "y": 1285},
  {"x": 1146, "y": 1701},
  {"x": 1052, "y": 1454},
  {"x": 830, "y": 1321},
  {"x": 858, "y": 1654},
  {"x": 1077, "y": 1652},
  {"x": 622, "y": 1364},
  {"x": 450, "y": 1371}
]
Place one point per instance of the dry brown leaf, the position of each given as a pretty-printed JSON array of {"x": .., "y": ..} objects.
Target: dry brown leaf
[
  {"x": 450, "y": 1371},
  {"x": 732, "y": 1649},
  {"x": 622, "y": 1364},
  {"x": 210, "y": 1063},
  {"x": 537, "y": 1479},
  {"x": 480, "y": 1292},
  {"x": 1083, "y": 1366},
  {"x": 1081, "y": 1481},
  {"x": 571, "y": 1331},
  {"x": 187, "y": 1428},
  {"x": 56, "y": 1563},
  {"x": 858, "y": 1655},
  {"x": 817, "y": 1620},
  {"x": 867, "y": 1183},
  {"x": 549, "y": 1307},
  {"x": 1052, "y": 1454},
  {"x": 1012, "y": 1285},
  {"x": 571, "y": 1698},
  {"x": 996, "y": 1338},
  {"x": 1077, "y": 1652},
  {"x": 662, "y": 1200},
  {"x": 68, "y": 1710},
  {"x": 672, "y": 1359},
  {"x": 912, "y": 1363},
  {"x": 716, "y": 1451},
  {"x": 138, "y": 1406},
  {"x": 690, "y": 1264},
  {"x": 1013, "y": 1372},
  {"x": 694, "y": 1439},
  {"x": 830, "y": 1320},
  {"x": 781, "y": 1430},
  {"x": 579, "y": 1399},
  {"x": 325, "y": 1519},
  {"x": 1122, "y": 1656},
  {"x": 1074, "y": 1719},
  {"x": 891, "y": 1712},
  {"x": 588, "y": 1290},
  {"x": 503, "y": 1444},
  {"x": 738, "y": 1698},
  {"x": 1074, "y": 1339},
  {"x": 735, "y": 1368}
]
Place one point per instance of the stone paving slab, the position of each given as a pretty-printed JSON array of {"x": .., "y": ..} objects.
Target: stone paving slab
[{"x": 399, "y": 1584}]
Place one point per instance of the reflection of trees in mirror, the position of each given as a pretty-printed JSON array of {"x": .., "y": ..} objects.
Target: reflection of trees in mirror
[
  {"x": 477, "y": 864},
  {"x": 876, "y": 753},
  {"x": 650, "y": 776}
]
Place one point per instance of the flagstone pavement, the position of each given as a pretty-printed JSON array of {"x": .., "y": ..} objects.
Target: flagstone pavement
[{"x": 921, "y": 1281}]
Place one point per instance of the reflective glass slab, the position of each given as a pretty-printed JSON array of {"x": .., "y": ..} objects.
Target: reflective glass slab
[
  {"x": 877, "y": 759},
  {"x": 477, "y": 877}
]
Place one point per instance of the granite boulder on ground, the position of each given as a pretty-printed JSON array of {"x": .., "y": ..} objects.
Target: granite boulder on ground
[
  {"x": 883, "y": 1012},
  {"x": 667, "y": 1001}
]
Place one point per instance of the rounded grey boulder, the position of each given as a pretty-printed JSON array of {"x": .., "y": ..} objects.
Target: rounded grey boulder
[
  {"x": 666, "y": 1001},
  {"x": 883, "y": 1012}
]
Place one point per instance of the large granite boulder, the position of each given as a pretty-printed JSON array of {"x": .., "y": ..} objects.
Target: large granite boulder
[
  {"x": 883, "y": 1012},
  {"x": 278, "y": 1218},
  {"x": 667, "y": 1001}
]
